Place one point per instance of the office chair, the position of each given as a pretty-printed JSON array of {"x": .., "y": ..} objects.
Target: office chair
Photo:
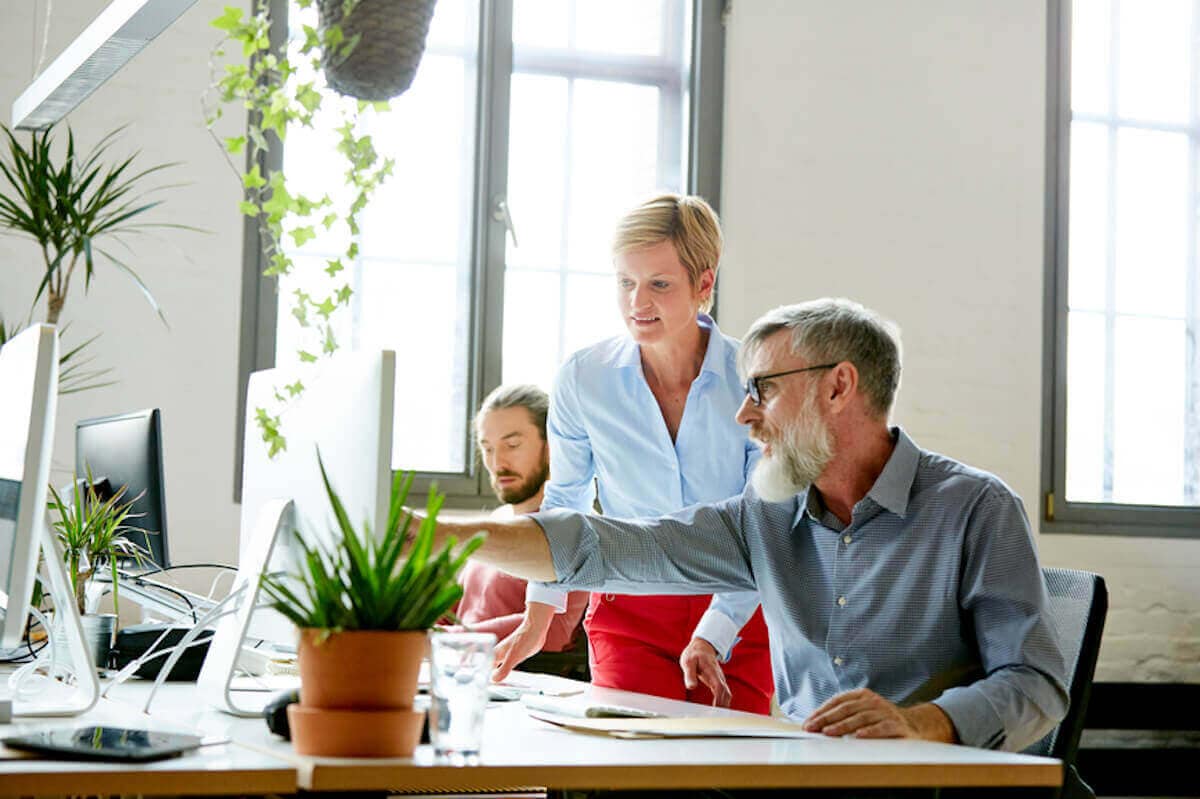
[{"x": 1078, "y": 605}]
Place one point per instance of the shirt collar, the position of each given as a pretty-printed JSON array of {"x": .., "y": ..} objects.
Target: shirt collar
[
  {"x": 891, "y": 489},
  {"x": 894, "y": 484},
  {"x": 626, "y": 354}
]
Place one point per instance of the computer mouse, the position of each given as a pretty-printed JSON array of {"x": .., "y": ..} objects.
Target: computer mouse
[{"x": 275, "y": 712}]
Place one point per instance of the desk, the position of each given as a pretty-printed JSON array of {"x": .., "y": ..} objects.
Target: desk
[
  {"x": 228, "y": 768},
  {"x": 520, "y": 752}
]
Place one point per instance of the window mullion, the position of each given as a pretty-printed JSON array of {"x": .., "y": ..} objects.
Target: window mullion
[
  {"x": 1191, "y": 417},
  {"x": 491, "y": 158},
  {"x": 1110, "y": 288}
]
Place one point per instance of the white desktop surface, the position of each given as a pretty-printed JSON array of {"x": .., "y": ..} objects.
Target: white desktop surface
[
  {"x": 521, "y": 752},
  {"x": 518, "y": 752},
  {"x": 228, "y": 768}
]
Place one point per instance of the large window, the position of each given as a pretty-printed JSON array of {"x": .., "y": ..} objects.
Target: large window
[
  {"x": 1123, "y": 448},
  {"x": 531, "y": 126}
]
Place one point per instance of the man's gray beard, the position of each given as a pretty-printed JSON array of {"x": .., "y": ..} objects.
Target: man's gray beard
[{"x": 797, "y": 459}]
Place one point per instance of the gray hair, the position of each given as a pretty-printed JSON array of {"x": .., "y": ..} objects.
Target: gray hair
[
  {"x": 832, "y": 331},
  {"x": 524, "y": 395}
]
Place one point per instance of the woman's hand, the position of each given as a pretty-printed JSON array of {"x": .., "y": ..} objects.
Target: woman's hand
[{"x": 525, "y": 641}]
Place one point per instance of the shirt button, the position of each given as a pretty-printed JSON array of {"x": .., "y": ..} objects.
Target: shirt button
[
  {"x": 838, "y": 661},
  {"x": 846, "y": 539},
  {"x": 842, "y": 601}
]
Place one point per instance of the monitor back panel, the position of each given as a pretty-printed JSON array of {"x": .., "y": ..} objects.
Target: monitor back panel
[{"x": 127, "y": 450}]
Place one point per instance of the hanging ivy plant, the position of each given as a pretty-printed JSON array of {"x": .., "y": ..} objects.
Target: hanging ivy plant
[{"x": 281, "y": 90}]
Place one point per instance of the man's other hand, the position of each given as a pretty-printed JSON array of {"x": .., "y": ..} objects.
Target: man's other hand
[
  {"x": 701, "y": 665},
  {"x": 525, "y": 641},
  {"x": 865, "y": 714}
]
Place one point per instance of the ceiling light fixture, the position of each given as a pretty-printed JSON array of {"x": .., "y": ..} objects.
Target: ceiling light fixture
[{"x": 114, "y": 37}]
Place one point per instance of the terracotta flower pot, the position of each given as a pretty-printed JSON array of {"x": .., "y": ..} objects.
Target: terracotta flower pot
[
  {"x": 354, "y": 733},
  {"x": 366, "y": 669}
]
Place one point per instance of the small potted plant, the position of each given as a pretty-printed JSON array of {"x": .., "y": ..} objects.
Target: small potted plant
[
  {"x": 364, "y": 609},
  {"x": 91, "y": 530}
]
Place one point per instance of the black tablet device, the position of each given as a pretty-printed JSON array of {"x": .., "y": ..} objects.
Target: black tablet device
[{"x": 104, "y": 743}]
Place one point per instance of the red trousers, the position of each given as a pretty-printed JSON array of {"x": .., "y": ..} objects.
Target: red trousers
[{"x": 635, "y": 642}]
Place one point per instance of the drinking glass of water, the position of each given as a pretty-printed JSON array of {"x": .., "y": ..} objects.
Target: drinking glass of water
[{"x": 460, "y": 668}]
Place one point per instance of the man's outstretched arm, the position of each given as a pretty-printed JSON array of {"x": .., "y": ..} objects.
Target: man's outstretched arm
[
  {"x": 516, "y": 546},
  {"x": 697, "y": 550}
]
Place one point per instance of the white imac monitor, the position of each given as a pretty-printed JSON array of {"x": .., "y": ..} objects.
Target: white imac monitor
[
  {"x": 28, "y": 399},
  {"x": 28, "y": 403},
  {"x": 345, "y": 410}
]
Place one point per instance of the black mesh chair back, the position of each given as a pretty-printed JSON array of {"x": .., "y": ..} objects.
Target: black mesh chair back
[{"x": 1078, "y": 605}]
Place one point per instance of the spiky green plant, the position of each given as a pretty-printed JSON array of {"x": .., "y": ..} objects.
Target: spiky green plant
[
  {"x": 92, "y": 533},
  {"x": 71, "y": 207},
  {"x": 364, "y": 582}
]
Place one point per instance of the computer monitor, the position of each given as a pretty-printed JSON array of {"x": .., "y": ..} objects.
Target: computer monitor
[
  {"x": 126, "y": 450},
  {"x": 345, "y": 410},
  {"x": 28, "y": 401}
]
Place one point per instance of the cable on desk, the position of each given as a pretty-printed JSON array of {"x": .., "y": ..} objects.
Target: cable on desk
[
  {"x": 27, "y": 644},
  {"x": 178, "y": 566}
]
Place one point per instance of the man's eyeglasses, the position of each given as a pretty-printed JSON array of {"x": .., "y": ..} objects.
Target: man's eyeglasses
[{"x": 752, "y": 389}]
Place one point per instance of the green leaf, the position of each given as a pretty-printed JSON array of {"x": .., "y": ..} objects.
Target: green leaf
[
  {"x": 303, "y": 235},
  {"x": 235, "y": 144},
  {"x": 248, "y": 208},
  {"x": 253, "y": 179},
  {"x": 229, "y": 20},
  {"x": 306, "y": 356},
  {"x": 308, "y": 97}
]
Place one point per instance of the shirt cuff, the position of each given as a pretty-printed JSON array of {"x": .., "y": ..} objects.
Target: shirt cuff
[
  {"x": 719, "y": 630},
  {"x": 547, "y": 595},
  {"x": 975, "y": 720}
]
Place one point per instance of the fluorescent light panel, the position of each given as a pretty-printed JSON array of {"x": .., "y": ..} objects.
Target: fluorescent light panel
[{"x": 113, "y": 38}]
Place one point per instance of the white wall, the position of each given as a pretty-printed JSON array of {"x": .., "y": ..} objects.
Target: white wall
[
  {"x": 189, "y": 370},
  {"x": 894, "y": 153},
  {"x": 890, "y": 152}
]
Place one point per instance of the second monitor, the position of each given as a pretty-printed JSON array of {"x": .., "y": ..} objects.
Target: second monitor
[{"x": 126, "y": 449}]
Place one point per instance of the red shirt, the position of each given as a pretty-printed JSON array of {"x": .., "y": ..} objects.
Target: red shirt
[{"x": 494, "y": 602}]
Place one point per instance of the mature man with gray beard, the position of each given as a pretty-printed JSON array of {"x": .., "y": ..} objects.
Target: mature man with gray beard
[{"x": 901, "y": 588}]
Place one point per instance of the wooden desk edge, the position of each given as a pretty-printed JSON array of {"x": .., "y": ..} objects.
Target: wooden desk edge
[
  {"x": 316, "y": 776},
  {"x": 118, "y": 782}
]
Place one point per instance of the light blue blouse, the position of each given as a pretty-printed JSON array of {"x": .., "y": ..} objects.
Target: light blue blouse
[{"x": 605, "y": 423}]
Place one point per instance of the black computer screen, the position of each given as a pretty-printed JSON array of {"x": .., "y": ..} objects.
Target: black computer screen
[{"x": 127, "y": 451}]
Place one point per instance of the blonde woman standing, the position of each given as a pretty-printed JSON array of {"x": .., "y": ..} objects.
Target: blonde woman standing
[{"x": 649, "y": 418}]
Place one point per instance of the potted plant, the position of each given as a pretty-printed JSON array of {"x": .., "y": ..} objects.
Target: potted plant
[
  {"x": 364, "y": 608},
  {"x": 72, "y": 207},
  {"x": 386, "y": 41},
  {"x": 368, "y": 49},
  {"x": 91, "y": 531}
]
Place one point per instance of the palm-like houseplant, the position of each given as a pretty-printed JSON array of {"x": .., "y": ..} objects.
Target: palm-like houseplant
[
  {"x": 92, "y": 530},
  {"x": 73, "y": 208},
  {"x": 364, "y": 605}
]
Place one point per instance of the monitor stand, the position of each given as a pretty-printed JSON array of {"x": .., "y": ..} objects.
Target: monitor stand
[
  {"x": 216, "y": 681},
  {"x": 79, "y": 691}
]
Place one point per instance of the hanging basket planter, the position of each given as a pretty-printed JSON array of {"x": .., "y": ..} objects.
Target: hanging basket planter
[{"x": 391, "y": 38}]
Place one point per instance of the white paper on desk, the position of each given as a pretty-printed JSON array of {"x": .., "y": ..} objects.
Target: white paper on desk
[
  {"x": 581, "y": 707},
  {"x": 680, "y": 727}
]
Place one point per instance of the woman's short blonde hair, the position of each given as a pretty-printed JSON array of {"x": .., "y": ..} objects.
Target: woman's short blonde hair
[{"x": 687, "y": 221}]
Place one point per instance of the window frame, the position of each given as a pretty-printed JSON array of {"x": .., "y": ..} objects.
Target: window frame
[
  {"x": 258, "y": 314},
  {"x": 1058, "y": 515}
]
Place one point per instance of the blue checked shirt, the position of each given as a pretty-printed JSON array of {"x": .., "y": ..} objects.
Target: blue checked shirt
[
  {"x": 605, "y": 423},
  {"x": 931, "y": 593}
]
